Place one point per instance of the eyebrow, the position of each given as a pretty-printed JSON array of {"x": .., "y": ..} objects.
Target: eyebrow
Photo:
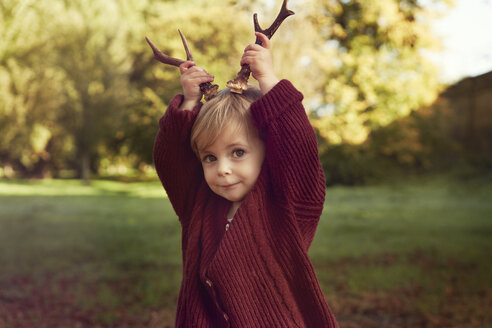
[{"x": 236, "y": 144}]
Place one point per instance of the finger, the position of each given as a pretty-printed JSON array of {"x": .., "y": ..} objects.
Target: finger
[
  {"x": 194, "y": 72},
  {"x": 185, "y": 66},
  {"x": 246, "y": 59},
  {"x": 195, "y": 69},
  {"x": 258, "y": 52},
  {"x": 197, "y": 72},
  {"x": 199, "y": 76},
  {"x": 199, "y": 80},
  {"x": 204, "y": 79},
  {"x": 253, "y": 47},
  {"x": 265, "y": 41}
]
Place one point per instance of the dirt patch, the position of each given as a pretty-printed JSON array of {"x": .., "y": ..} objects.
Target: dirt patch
[
  {"x": 400, "y": 308},
  {"x": 25, "y": 303},
  {"x": 53, "y": 302}
]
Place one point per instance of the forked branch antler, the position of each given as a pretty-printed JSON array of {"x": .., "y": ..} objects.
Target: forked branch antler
[
  {"x": 208, "y": 89},
  {"x": 240, "y": 83}
]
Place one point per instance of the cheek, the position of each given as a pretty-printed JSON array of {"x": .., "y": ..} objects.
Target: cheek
[
  {"x": 208, "y": 174},
  {"x": 252, "y": 170}
]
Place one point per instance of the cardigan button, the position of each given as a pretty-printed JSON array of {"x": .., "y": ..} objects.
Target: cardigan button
[
  {"x": 208, "y": 282},
  {"x": 226, "y": 317}
]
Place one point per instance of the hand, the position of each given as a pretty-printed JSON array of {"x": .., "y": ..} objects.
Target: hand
[
  {"x": 260, "y": 62},
  {"x": 191, "y": 78}
]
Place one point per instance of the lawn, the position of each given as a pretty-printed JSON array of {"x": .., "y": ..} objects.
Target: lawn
[{"x": 408, "y": 254}]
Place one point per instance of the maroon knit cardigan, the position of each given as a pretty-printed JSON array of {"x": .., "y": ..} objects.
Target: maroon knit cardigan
[{"x": 257, "y": 273}]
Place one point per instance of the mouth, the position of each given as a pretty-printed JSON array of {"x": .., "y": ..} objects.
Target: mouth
[{"x": 230, "y": 186}]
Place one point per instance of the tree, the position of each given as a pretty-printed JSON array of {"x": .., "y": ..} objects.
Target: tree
[
  {"x": 28, "y": 89},
  {"x": 371, "y": 63},
  {"x": 90, "y": 50},
  {"x": 79, "y": 88}
]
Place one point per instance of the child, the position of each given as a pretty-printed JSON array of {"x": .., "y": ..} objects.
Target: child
[{"x": 243, "y": 175}]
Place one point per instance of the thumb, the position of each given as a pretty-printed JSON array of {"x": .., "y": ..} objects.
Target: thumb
[
  {"x": 185, "y": 66},
  {"x": 265, "y": 41}
]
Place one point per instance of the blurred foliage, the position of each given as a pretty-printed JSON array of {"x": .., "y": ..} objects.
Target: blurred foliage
[
  {"x": 374, "y": 70},
  {"x": 417, "y": 143},
  {"x": 80, "y": 91}
]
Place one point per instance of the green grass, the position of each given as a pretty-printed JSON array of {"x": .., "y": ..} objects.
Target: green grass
[
  {"x": 430, "y": 238},
  {"x": 117, "y": 245},
  {"x": 449, "y": 218},
  {"x": 111, "y": 252}
]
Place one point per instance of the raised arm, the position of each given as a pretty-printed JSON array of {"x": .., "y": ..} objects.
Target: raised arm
[
  {"x": 177, "y": 166},
  {"x": 291, "y": 149}
]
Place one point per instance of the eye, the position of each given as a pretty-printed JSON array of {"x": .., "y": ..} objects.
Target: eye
[
  {"x": 209, "y": 158},
  {"x": 238, "y": 153}
]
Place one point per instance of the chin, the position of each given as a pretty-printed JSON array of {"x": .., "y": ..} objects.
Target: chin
[{"x": 235, "y": 198}]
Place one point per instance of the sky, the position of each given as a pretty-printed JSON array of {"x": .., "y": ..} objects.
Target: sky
[{"x": 466, "y": 33}]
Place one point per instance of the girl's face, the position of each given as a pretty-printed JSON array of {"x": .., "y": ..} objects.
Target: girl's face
[{"x": 231, "y": 165}]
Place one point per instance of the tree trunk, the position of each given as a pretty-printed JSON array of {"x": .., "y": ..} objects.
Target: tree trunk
[{"x": 85, "y": 170}]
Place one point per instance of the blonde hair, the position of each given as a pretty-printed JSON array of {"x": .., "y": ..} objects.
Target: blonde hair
[{"x": 226, "y": 109}]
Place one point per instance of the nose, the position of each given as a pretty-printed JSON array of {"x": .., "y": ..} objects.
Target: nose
[{"x": 224, "y": 168}]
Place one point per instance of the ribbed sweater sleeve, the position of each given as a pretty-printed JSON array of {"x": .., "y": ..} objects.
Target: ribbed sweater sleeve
[
  {"x": 177, "y": 166},
  {"x": 292, "y": 149}
]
